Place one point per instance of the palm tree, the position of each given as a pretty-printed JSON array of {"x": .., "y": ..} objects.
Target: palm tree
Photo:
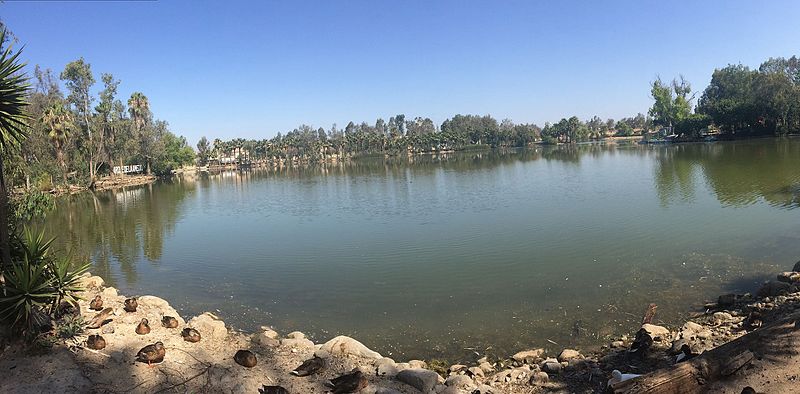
[
  {"x": 13, "y": 118},
  {"x": 58, "y": 120},
  {"x": 139, "y": 108}
]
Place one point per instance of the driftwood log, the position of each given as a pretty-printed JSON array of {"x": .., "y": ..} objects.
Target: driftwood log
[{"x": 773, "y": 342}]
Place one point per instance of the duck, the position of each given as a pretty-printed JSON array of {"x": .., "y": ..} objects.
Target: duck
[
  {"x": 272, "y": 390},
  {"x": 143, "y": 328},
  {"x": 617, "y": 376},
  {"x": 131, "y": 304},
  {"x": 349, "y": 383},
  {"x": 96, "y": 342},
  {"x": 309, "y": 367},
  {"x": 685, "y": 354},
  {"x": 190, "y": 335},
  {"x": 169, "y": 322},
  {"x": 97, "y": 303},
  {"x": 641, "y": 343},
  {"x": 245, "y": 358},
  {"x": 152, "y": 353}
]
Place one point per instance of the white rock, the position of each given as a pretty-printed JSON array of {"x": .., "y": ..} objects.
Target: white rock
[
  {"x": 386, "y": 367},
  {"x": 343, "y": 345},
  {"x": 528, "y": 356},
  {"x": 569, "y": 354},
  {"x": 210, "y": 326},
  {"x": 295, "y": 335}
]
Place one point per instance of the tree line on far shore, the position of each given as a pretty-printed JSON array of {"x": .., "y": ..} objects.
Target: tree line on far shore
[
  {"x": 74, "y": 137},
  {"x": 400, "y": 135}
]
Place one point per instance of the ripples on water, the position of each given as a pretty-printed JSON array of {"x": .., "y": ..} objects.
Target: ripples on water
[{"x": 438, "y": 255}]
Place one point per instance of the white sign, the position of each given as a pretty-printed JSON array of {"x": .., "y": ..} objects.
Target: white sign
[{"x": 127, "y": 169}]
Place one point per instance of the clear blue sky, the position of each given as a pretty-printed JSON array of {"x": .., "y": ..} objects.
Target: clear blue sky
[{"x": 252, "y": 69}]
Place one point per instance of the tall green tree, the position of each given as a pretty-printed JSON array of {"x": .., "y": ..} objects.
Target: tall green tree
[
  {"x": 672, "y": 102},
  {"x": 139, "y": 108},
  {"x": 79, "y": 80},
  {"x": 14, "y": 89},
  {"x": 59, "y": 122},
  {"x": 203, "y": 149}
]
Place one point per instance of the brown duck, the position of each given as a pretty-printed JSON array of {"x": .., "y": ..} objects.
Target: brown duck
[
  {"x": 190, "y": 335},
  {"x": 169, "y": 322},
  {"x": 245, "y": 358},
  {"x": 350, "y": 383},
  {"x": 272, "y": 390},
  {"x": 152, "y": 353},
  {"x": 97, "y": 303},
  {"x": 96, "y": 342},
  {"x": 309, "y": 367},
  {"x": 143, "y": 328},
  {"x": 131, "y": 304}
]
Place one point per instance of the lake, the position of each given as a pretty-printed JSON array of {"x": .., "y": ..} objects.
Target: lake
[{"x": 455, "y": 255}]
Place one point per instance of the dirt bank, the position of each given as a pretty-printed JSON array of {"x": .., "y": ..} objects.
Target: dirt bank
[{"x": 208, "y": 365}]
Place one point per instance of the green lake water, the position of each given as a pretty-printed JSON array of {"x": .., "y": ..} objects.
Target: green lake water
[{"x": 459, "y": 255}]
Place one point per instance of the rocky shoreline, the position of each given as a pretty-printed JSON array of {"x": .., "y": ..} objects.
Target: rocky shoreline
[{"x": 209, "y": 365}]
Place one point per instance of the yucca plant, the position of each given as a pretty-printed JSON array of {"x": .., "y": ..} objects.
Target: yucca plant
[
  {"x": 66, "y": 281},
  {"x": 13, "y": 100},
  {"x": 29, "y": 291},
  {"x": 34, "y": 246}
]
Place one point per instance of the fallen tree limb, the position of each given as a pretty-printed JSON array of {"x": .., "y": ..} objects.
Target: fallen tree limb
[{"x": 691, "y": 376}]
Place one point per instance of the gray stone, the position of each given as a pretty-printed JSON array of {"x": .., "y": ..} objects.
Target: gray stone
[
  {"x": 210, "y": 326},
  {"x": 773, "y": 288},
  {"x": 343, "y": 345},
  {"x": 551, "y": 367},
  {"x": 456, "y": 368},
  {"x": 528, "y": 356},
  {"x": 269, "y": 332},
  {"x": 569, "y": 354},
  {"x": 418, "y": 364},
  {"x": 107, "y": 329},
  {"x": 539, "y": 378},
  {"x": 386, "y": 367},
  {"x": 296, "y": 335},
  {"x": 476, "y": 371},
  {"x": 459, "y": 381},
  {"x": 386, "y": 390},
  {"x": 789, "y": 277},
  {"x": 264, "y": 339},
  {"x": 297, "y": 343},
  {"x": 658, "y": 333},
  {"x": 421, "y": 379},
  {"x": 726, "y": 300}
]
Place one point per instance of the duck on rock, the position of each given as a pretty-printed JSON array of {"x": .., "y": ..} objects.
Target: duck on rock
[
  {"x": 143, "y": 328},
  {"x": 245, "y": 358},
  {"x": 131, "y": 304},
  {"x": 97, "y": 303},
  {"x": 350, "y": 383},
  {"x": 96, "y": 342},
  {"x": 309, "y": 367},
  {"x": 190, "y": 335},
  {"x": 152, "y": 353},
  {"x": 169, "y": 322}
]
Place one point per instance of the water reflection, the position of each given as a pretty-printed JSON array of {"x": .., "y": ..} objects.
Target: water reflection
[
  {"x": 118, "y": 229},
  {"x": 739, "y": 173}
]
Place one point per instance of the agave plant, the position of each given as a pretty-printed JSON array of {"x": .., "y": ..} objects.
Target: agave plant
[
  {"x": 65, "y": 281},
  {"x": 13, "y": 100},
  {"x": 32, "y": 245},
  {"x": 29, "y": 290}
]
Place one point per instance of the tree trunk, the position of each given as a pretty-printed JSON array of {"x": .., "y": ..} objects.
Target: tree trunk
[
  {"x": 5, "y": 244},
  {"x": 774, "y": 341}
]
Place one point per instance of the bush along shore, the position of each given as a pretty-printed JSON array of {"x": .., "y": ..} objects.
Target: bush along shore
[{"x": 110, "y": 343}]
